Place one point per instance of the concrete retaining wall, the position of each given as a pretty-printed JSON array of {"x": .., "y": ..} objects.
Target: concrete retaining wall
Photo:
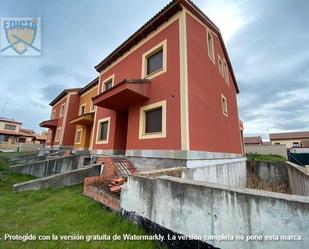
[
  {"x": 267, "y": 149},
  {"x": 197, "y": 208},
  {"x": 49, "y": 167},
  {"x": 68, "y": 178},
  {"x": 22, "y": 160},
  {"x": 231, "y": 174},
  {"x": 276, "y": 172},
  {"x": 298, "y": 179}
]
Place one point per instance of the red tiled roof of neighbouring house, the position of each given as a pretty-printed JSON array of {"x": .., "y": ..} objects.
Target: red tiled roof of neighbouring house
[
  {"x": 253, "y": 140},
  {"x": 9, "y": 120},
  {"x": 162, "y": 16},
  {"x": 62, "y": 94},
  {"x": 89, "y": 86},
  {"x": 289, "y": 135}
]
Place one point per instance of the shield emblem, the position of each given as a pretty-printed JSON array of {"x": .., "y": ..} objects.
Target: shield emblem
[{"x": 21, "y": 38}]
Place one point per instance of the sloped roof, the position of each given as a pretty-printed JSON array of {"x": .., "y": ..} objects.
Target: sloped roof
[
  {"x": 89, "y": 86},
  {"x": 253, "y": 140},
  {"x": 289, "y": 135},
  {"x": 162, "y": 16},
  {"x": 63, "y": 94},
  {"x": 9, "y": 120}
]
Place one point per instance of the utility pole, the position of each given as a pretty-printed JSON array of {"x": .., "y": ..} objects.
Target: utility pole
[{"x": 3, "y": 108}]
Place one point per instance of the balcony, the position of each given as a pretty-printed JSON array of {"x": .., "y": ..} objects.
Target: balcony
[
  {"x": 124, "y": 94},
  {"x": 84, "y": 119},
  {"x": 52, "y": 123}
]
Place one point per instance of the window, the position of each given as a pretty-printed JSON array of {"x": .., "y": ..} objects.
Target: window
[
  {"x": 153, "y": 120},
  {"x": 103, "y": 130},
  {"x": 62, "y": 110},
  {"x": 82, "y": 109},
  {"x": 57, "y": 137},
  {"x": 108, "y": 83},
  {"x": 53, "y": 114},
  {"x": 78, "y": 136},
  {"x": 296, "y": 144},
  {"x": 154, "y": 61},
  {"x": 210, "y": 45},
  {"x": 277, "y": 143},
  {"x": 223, "y": 69},
  {"x": 224, "y": 105},
  {"x": 22, "y": 140},
  {"x": 10, "y": 127}
]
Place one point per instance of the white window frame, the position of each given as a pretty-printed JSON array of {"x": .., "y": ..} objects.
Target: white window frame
[
  {"x": 162, "y": 45},
  {"x": 80, "y": 109},
  {"x": 211, "y": 56},
  {"x": 224, "y": 105},
  {"x": 112, "y": 77},
  {"x": 62, "y": 110},
  {"x": 80, "y": 137},
  {"x": 142, "y": 120},
  {"x": 58, "y": 132},
  {"x": 52, "y": 116},
  {"x": 108, "y": 119}
]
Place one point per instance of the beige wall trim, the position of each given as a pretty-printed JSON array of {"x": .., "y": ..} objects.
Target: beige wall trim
[
  {"x": 184, "y": 99},
  {"x": 108, "y": 119},
  {"x": 142, "y": 120},
  {"x": 65, "y": 116},
  {"x": 150, "y": 52},
  {"x": 150, "y": 36},
  {"x": 95, "y": 116}
]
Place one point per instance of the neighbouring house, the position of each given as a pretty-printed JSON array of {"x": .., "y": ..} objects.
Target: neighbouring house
[
  {"x": 290, "y": 139},
  {"x": 85, "y": 119},
  {"x": 61, "y": 132},
  {"x": 12, "y": 132},
  {"x": 257, "y": 140},
  {"x": 169, "y": 91}
]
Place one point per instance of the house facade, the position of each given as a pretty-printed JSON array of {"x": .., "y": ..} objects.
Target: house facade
[
  {"x": 168, "y": 92},
  {"x": 61, "y": 132},
  {"x": 290, "y": 139},
  {"x": 9, "y": 130},
  {"x": 85, "y": 119}
]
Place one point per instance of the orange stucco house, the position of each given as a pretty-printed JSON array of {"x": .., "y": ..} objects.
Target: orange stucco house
[{"x": 168, "y": 94}]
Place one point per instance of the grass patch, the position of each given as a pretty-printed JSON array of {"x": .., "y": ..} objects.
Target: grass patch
[
  {"x": 61, "y": 212},
  {"x": 270, "y": 157}
]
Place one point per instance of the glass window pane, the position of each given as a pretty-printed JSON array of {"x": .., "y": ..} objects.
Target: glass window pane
[
  {"x": 108, "y": 85},
  {"x": 155, "y": 62},
  {"x": 153, "y": 121},
  {"x": 103, "y": 130}
]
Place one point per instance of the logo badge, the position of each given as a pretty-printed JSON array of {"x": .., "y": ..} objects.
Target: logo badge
[{"x": 20, "y": 36}]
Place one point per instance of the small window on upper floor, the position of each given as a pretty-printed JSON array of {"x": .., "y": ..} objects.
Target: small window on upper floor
[
  {"x": 155, "y": 62},
  {"x": 223, "y": 69},
  {"x": 210, "y": 45},
  {"x": 62, "y": 110},
  {"x": 108, "y": 84},
  {"x": 10, "y": 127},
  {"x": 224, "y": 105},
  {"x": 82, "y": 109}
]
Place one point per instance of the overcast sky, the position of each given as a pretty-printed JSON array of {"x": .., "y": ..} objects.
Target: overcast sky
[{"x": 267, "y": 41}]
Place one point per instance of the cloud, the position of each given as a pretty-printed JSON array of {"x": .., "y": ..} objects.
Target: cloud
[{"x": 271, "y": 60}]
